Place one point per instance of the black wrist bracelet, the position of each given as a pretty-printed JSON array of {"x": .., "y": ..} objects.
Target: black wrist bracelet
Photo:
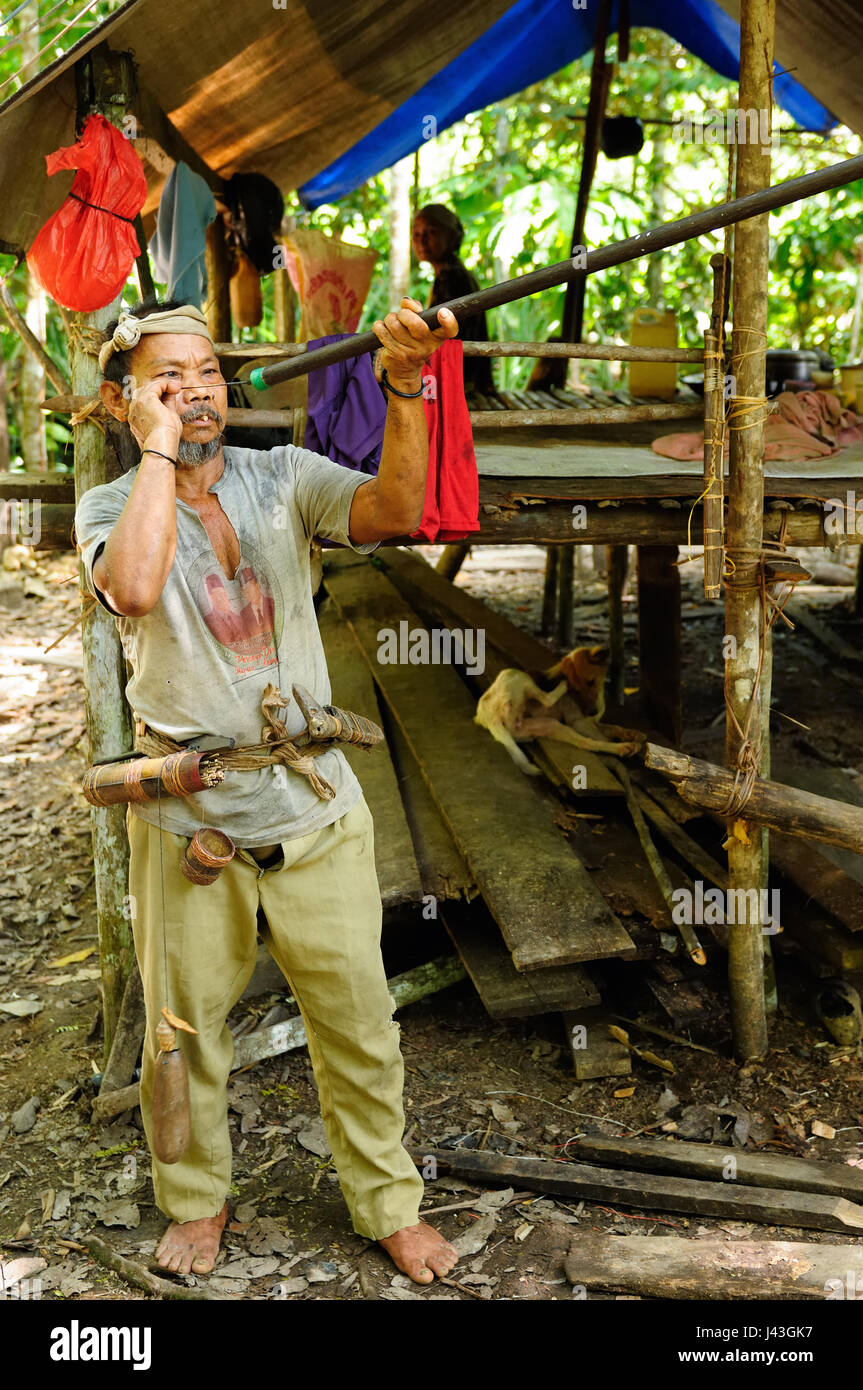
[
  {"x": 160, "y": 455},
  {"x": 405, "y": 395}
]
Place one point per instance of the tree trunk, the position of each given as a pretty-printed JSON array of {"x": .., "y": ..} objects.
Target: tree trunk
[
  {"x": 108, "y": 718},
  {"x": 744, "y": 539}
]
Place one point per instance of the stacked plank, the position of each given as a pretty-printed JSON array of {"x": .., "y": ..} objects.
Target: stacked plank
[{"x": 457, "y": 824}]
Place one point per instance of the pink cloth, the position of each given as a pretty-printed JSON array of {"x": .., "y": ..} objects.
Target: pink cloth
[{"x": 806, "y": 425}]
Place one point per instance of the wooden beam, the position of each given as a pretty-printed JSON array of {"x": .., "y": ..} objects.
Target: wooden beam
[
  {"x": 649, "y": 1192},
  {"x": 544, "y": 902},
  {"x": 773, "y": 804},
  {"x": 676, "y": 1267},
  {"x": 602, "y": 415},
  {"x": 154, "y": 124},
  {"x": 724, "y": 1164},
  {"x": 600, "y": 81},
  {"x": 659, "y": 639}
]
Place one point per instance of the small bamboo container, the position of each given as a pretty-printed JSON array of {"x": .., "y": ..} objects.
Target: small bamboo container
[{"x": 206, "y": 855}]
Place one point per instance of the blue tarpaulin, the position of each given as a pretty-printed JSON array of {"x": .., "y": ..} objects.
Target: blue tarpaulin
[{"x": 534, "y": 39}]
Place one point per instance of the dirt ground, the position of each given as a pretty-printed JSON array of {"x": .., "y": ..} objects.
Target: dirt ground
[{"x": 469, "y": 1079}]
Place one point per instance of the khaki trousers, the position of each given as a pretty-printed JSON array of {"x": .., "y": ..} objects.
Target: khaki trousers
[{"x": 323, "y": 912}]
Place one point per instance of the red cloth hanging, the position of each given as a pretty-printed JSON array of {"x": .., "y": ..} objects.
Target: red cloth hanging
[
  {"x": 451, "y": 510},
  {"x": 83, "y": 254}
]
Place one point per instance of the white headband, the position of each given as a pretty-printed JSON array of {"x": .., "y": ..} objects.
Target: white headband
[{"x": 130, "y": 330}]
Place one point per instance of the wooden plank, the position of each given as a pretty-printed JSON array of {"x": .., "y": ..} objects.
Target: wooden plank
[
  {"x": 726, "y": 1165},
  {"x": 538, "y": 891},
  {"x": 677, "y": 1267},
  {"x": 823, "y": 781},
  {"x": 649, "y": 1192},
  {"x": 353, "y": 688},
  {"x": 56, "y": 488},
  {"x": 819, "y": 879},
  {"x": 442, "y": 870},
  {"x": 545, "y": 415},
  {"x": 504, "y": 991},
  {"x": 581, "y": 772},
  {"x": 659, "y": 639},
  {"x": 594, "y": 1052}
]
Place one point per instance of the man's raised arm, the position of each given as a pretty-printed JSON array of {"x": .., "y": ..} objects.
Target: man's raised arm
[
  {"x": 134, "y": 566},
  {"x": 392, "y": 503}
]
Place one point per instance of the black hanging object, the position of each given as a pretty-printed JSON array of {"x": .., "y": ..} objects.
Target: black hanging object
[
  {"x": 622, "y": 136},
  {"x": 257, "y": 207}
]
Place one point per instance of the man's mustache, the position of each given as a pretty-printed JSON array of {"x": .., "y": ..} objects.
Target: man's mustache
[{"x": 201, "y": 412}]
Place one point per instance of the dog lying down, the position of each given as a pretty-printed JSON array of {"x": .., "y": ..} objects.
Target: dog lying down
[{"x": 516, "y": 708}]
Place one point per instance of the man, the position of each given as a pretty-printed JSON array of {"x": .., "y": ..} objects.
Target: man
[{"x": 157, "y": 546}]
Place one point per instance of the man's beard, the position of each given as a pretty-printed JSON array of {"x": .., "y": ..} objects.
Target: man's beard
[{"x": 190, "y": 452}]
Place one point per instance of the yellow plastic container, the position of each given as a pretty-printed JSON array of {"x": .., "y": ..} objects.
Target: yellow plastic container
[
  {"x": 653, "y": 328},
  {"x": 850, "y": 378}
]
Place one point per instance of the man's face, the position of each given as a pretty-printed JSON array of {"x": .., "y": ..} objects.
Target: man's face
[
  {"x": 188, "y": 372},
  {"x": 429, "y": 241}
]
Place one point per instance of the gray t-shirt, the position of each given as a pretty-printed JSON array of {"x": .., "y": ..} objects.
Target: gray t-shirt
[{"x": 201, "y": 659}]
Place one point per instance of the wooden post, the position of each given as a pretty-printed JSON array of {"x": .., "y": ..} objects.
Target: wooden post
[
  {"x": 714, "y": 429},
  {"x": 549, "y": 590},
  {"x": 142, "y": 262},
  {"x": 659, "y": 638},
  {"x": 744, "y": 633},
  {"x": 284, "y": 307},
  {"x": 616, "y": 569},
  {"x": 104, "y": 83},
  {"x": 452, "y": 559},
  {"x": 218, "y": 306},
  {"x": 565, "y": 580}
]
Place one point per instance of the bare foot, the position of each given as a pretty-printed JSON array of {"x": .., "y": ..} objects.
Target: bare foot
[
  {"x": 191, "y": 1247},
  {"x": 420, "y": 1252}
]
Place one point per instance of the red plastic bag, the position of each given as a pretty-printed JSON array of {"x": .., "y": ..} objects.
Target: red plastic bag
[{"x": 83, "y": 254}]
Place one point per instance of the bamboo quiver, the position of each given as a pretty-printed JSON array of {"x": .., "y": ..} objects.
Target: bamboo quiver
[{"x": 145, "y": 779}]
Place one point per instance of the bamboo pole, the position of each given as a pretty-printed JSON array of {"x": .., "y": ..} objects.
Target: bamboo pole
[
  {"x": 714, "y": 431},
  {"x": 744, "y": 538},
  {"x": 20, "y": 325},
  {"x": 108, "y": 77},
  {"x": 687, "y": 228},
  {"x": 479, "y": 419},
  {"x": 592, "y": 352}
]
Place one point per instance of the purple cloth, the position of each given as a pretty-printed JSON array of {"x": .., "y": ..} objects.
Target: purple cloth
[{"x": 347, "y": 411}]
